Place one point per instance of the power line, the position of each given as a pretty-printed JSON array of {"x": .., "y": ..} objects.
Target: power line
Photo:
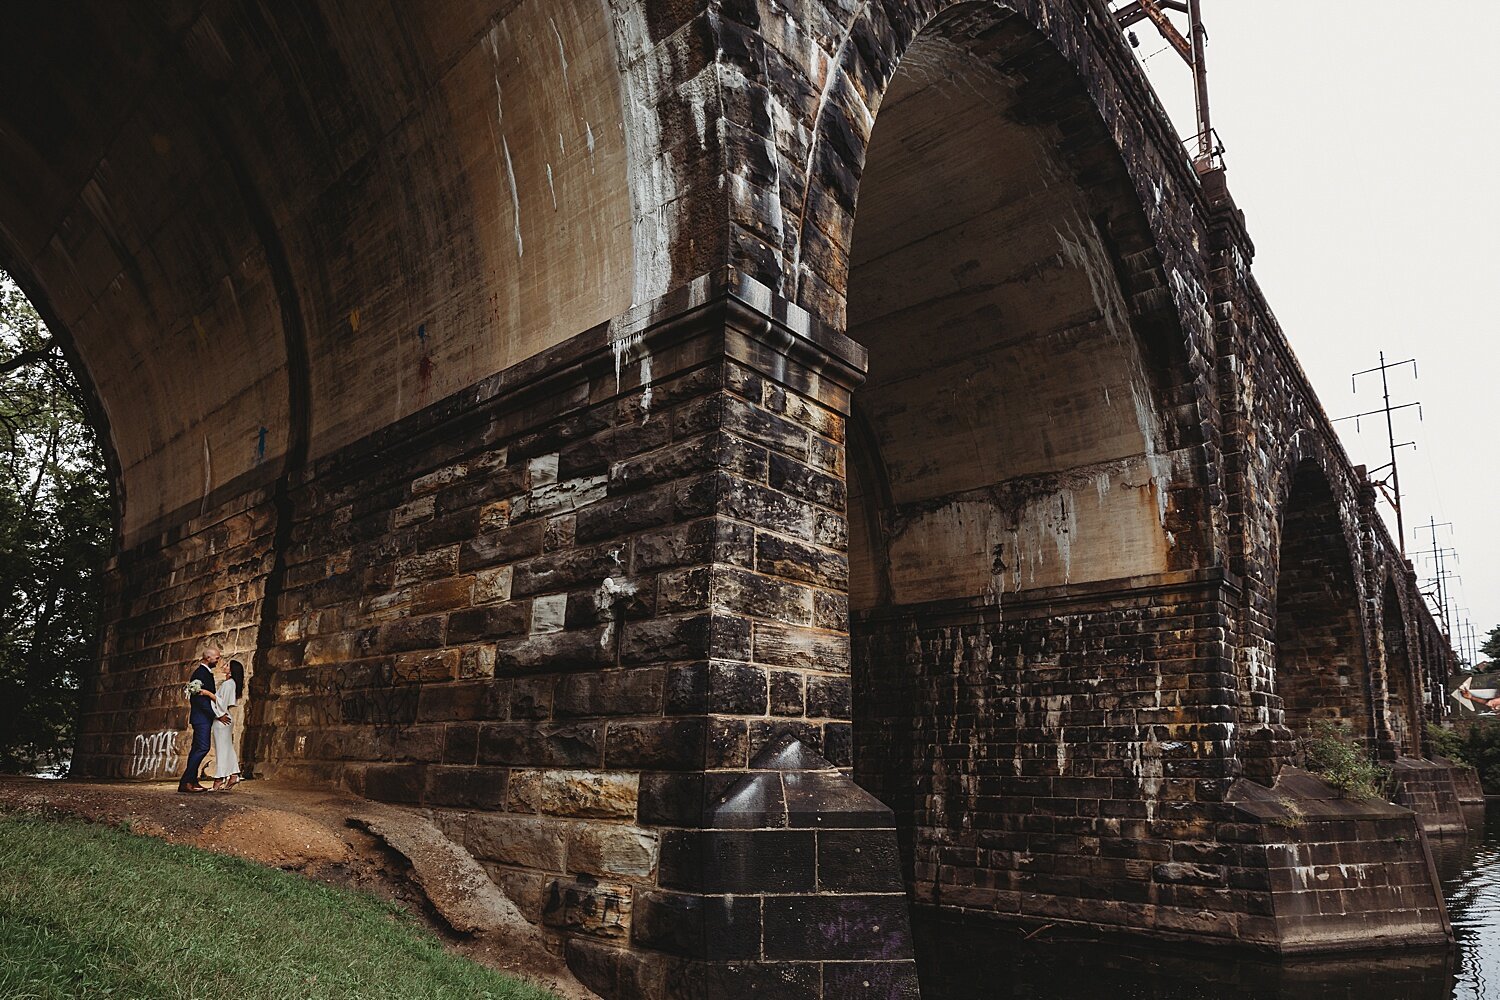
[
  {"x": 1389, "y": 484},
  {"x": 1438, "y": 555}
]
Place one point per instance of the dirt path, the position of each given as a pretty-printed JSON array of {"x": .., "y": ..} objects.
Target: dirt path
[{"x": 310, "y": 831}]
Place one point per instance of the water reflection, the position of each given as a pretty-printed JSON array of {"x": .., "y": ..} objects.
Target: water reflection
[
  {"x": 1471, "y": 882},
  {"x": 963, "y": 962}
]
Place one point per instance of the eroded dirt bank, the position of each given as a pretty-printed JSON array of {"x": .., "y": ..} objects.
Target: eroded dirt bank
[{"x": 388, "y": 852}]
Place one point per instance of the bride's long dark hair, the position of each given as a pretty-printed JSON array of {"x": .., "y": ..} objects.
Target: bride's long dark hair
[{"x": 237, "y": 674}]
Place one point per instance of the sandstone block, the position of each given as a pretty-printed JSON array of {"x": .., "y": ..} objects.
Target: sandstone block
[
  {"x": 502, "y": 546},
  {"x": 493, "y": 621},
  {"x": 540, "y": 745},
  {"x": 792, "y": 560},
  {"x": 588, "y": 906},
  {"x": 492, "y": 585},
  {"x": 427, "y": 565},
  {"x": 437, "y": 480},
  {"x": 527, "y": 842},
  {"x": 548, "y": 613},
  {"x": 578, "y": 794},
  {"x": 633, "y": 691},
  {"x": 800, "y": 480},
  {"x": 613, "y": 851},
  {"x": 421, "y": 668}
]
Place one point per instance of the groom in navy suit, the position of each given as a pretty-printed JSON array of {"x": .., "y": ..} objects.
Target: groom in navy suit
[{"x": 202, "y": 718}]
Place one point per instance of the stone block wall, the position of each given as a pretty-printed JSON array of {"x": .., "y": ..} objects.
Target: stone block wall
[
  {"x": 566, "y": 610},
  {"x": 783, "y": 866},
  {"x": 1322, "y": 670},
  {"x": 1332, "y": 865},
  {"x": 1049, "y": 759},
  {"x": 1432, "y": 789},
  {"x": 202, "y": 580}
]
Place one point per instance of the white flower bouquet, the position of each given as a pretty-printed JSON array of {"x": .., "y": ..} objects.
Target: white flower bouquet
[{"x": 192, "y": 688}]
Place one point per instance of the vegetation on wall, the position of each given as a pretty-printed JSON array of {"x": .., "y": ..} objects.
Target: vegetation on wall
[
  {"x": 54, "y": 535},
  {"x": 1476, "y": 744},
  {"x": 1331, "y": 751}
]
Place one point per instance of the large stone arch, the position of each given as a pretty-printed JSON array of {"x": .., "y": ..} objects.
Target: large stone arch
[
  {"x": 232, "y": 210},
  {"x": 1022, "y": 459},
  {"x": 263, "y": 235},
  {"x": 1405, "y": 693},
  {"x": 1322, "y": 667}
]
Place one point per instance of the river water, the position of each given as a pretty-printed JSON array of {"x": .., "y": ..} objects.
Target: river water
[{"x": 989, "y": 964}]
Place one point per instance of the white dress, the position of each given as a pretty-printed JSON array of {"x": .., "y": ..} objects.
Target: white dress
[{"x": 226, "y": 761}]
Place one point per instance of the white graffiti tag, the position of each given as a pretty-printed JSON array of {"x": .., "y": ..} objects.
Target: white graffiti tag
[{"x": 155, "y": 753}]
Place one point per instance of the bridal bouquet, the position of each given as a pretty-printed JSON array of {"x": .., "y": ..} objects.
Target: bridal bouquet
[{"x": 191, "y": 689}]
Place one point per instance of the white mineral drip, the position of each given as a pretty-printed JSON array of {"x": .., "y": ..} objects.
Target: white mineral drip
[
  {"x": 515, "y": 199},
  {"x": 646, "y": 386},
  {"x": 561, "y": 55},
  {"x": 700, "y": 120},
  {"x": 622, "y": 346},
  {"x": 550, "y": 189},
  {"x": 1081, "y": 247},
  {"x": 208, "y": 469}
]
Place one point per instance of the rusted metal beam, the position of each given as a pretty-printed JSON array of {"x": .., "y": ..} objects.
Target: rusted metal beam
[
  {"x": 1133, "y": 12},
  {"x": 1197, "y": 60},
  {"x": 1153, "y": 10}
]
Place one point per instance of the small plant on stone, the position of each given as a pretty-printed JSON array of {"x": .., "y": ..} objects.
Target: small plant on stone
[
  {"x": 1294, "y": 817},
  {"x": 1331, "y": 751}
]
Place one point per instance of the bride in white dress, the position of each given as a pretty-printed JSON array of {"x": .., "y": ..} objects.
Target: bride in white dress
[{"x": 226, "y": 768}]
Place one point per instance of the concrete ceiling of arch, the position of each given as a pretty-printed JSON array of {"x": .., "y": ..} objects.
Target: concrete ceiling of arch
[
  {"x": 1007, "y": 392},
  {"x": 443, "y": 187}
]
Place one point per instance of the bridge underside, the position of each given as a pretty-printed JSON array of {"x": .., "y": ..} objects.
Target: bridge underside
[{"x": 738, "y": 497}]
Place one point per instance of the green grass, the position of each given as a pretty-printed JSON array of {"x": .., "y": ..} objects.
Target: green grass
[{"x": 93, "y": 911}]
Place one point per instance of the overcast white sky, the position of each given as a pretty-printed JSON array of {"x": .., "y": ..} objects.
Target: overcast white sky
[{"x": 1363, "y": 143}]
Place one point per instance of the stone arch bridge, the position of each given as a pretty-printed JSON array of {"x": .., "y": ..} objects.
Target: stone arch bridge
[{"x": 689, "y": 446}]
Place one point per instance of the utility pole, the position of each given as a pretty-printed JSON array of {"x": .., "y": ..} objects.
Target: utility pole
[
  {"x": 1465, "y": 635},
  {"x": 1192, "y": 49},
  {"x": 1436, "y": 553},
  {"x": 1390, "y": 483}
]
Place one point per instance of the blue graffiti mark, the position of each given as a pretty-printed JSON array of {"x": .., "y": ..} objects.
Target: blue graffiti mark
[
  {"x": 260, "y": 445},
  {"x": 422, "y": 333}
]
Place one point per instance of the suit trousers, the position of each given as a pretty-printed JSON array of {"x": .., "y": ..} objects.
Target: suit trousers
[{"x": 201, "y": 728}]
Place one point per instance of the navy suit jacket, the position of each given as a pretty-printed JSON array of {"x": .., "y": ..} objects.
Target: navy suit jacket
[{"x": 203, "y": 707}]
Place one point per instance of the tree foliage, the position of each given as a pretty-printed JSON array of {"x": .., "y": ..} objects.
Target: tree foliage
[
  {"x": 1475, "y": 743},
  {"x": 54, "y": 535},
  {"x": 1490, "y": 648}
]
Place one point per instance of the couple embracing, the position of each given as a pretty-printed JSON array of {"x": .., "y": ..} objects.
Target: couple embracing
[{"x": 214, "y": 689}]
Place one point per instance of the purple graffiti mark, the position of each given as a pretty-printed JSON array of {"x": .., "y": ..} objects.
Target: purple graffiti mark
[{"x": 260, "y": 445}]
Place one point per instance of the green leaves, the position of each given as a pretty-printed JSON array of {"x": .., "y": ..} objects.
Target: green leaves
[
  {"x": 1331, "y": 751},
  {"x": 54, "y": 535},
  {"x": 1491, "y": 644}
]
